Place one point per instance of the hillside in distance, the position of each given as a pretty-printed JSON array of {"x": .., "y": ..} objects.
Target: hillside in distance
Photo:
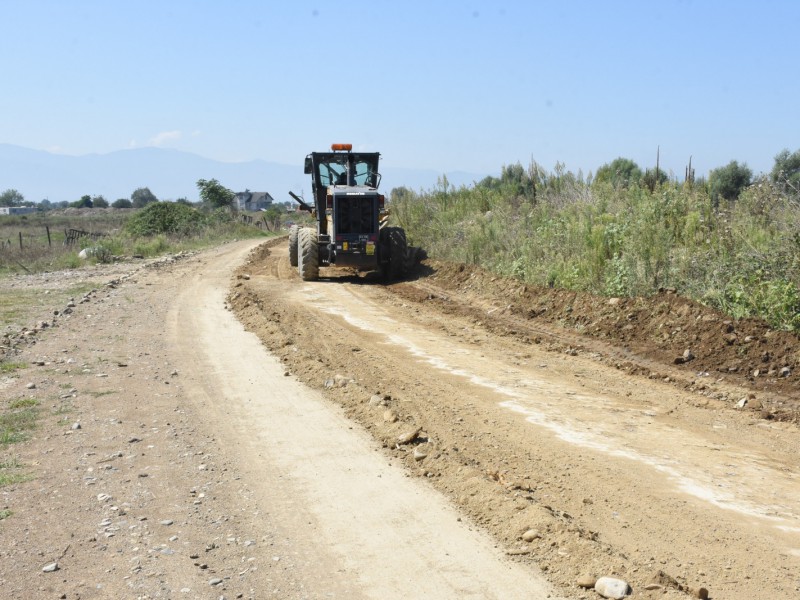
[{"x": 172, "y": 174}]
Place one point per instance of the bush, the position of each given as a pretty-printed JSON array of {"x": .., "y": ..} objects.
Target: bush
[
  {"x": 786, "y": 172},
  {"x": 167, "y": 218},
  {"x": 621, "y": 172},
  {"x": 84, "y": 202},
  {"x": 728, "y": 182}
]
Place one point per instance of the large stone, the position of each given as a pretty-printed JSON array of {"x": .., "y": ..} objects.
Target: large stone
[
  {"x": 611, "y": 587},
  {"x": 533, "y": 534},
  {"x": 409, "y": 436},
  {"x": 420, "y": 452},
  {"x": 377, "y": 400}
]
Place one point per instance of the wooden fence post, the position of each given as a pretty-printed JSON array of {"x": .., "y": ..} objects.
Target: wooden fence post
[
  {"x": 49, "y": 243},
  {"x": 20, "y": 240}
]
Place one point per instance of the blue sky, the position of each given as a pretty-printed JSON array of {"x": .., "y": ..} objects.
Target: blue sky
[{"x": 449, "y": 85}]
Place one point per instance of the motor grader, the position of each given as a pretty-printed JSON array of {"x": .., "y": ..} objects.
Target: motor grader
[{"x": 351, "y": 218}]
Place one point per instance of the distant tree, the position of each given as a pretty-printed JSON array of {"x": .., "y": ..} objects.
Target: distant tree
[
  {"x": 621, "y": 172},
  {"x": 728, "y": 182},
  {"x": 11, "y": 198},
  {"x": 84, "y": 202},
  {"x": 99, "y": 202},
  {"x": 46, "y": 205},
  {"x": 214, "y": 194},
  {"x": 141, "y": 197},
  {"x": 489, "y": 182},
  {"x": 518, "y": 181},
  {"x": 122, "y": 203},
  {"x": 184, "y": 201},
  {"x": 272, "y": 217},
  {"x": 786, "y": 172}
]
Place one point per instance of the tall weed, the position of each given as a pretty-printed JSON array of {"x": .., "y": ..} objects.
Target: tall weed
[{"x": 555, "y": 229}]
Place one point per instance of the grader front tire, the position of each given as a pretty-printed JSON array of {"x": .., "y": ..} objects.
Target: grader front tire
[{"x": 309, "y": 254}]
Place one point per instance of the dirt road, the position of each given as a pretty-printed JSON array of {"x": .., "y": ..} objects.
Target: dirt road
[
  {"x": 617, "y": 475},
  {"x": 395, "y": 441},
  {"x": 363, "y": 526},
  {"x": 175, "y": 459}
]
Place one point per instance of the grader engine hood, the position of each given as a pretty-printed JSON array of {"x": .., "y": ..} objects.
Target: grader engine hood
[{"x": 354, "y": 221}]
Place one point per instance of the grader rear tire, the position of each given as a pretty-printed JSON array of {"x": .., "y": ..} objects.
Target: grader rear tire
[
  {"x": 308, "y": 254},
  {"x": 293, "y": 232},
  {"x": 394, "y": 238}
]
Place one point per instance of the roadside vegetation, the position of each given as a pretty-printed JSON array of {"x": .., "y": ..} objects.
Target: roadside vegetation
[
  {"x": 20, "y": 307},
  {"x": 731, "y": 242},
  {"x": 143, "y": 226},
  {"x": 18, "y": 418}
]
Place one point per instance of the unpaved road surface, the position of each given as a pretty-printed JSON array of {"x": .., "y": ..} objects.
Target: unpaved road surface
[
  {"x": 176, "y": 459},
  {"x": 427, "y": 438},
  {"x": 528, "y": 426}
]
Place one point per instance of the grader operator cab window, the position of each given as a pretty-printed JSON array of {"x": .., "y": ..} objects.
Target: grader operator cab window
[
  {"x": 331, "y": 172},
  {"x": 333, "y": 169}
]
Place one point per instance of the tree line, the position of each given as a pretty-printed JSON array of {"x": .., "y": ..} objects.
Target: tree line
[
  {"x": 212, "y": 194},
  {"x": 213, "y": 197},
  {"x": 140, "y": 198},
  {"x": 723, "y": 183}
]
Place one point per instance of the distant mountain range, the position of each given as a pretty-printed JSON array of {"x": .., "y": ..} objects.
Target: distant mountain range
[{"x": 170, "y": 174}]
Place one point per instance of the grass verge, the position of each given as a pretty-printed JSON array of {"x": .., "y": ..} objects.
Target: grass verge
[
  {"x": 18, "y": 420},
  {"x": 10, "y": 473},
  {"x": 11, "y": 367}
]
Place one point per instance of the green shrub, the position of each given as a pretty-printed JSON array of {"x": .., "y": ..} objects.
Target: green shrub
[
  {"x": 151, "y": 246},
  {"x": 167, "y": 218}
]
